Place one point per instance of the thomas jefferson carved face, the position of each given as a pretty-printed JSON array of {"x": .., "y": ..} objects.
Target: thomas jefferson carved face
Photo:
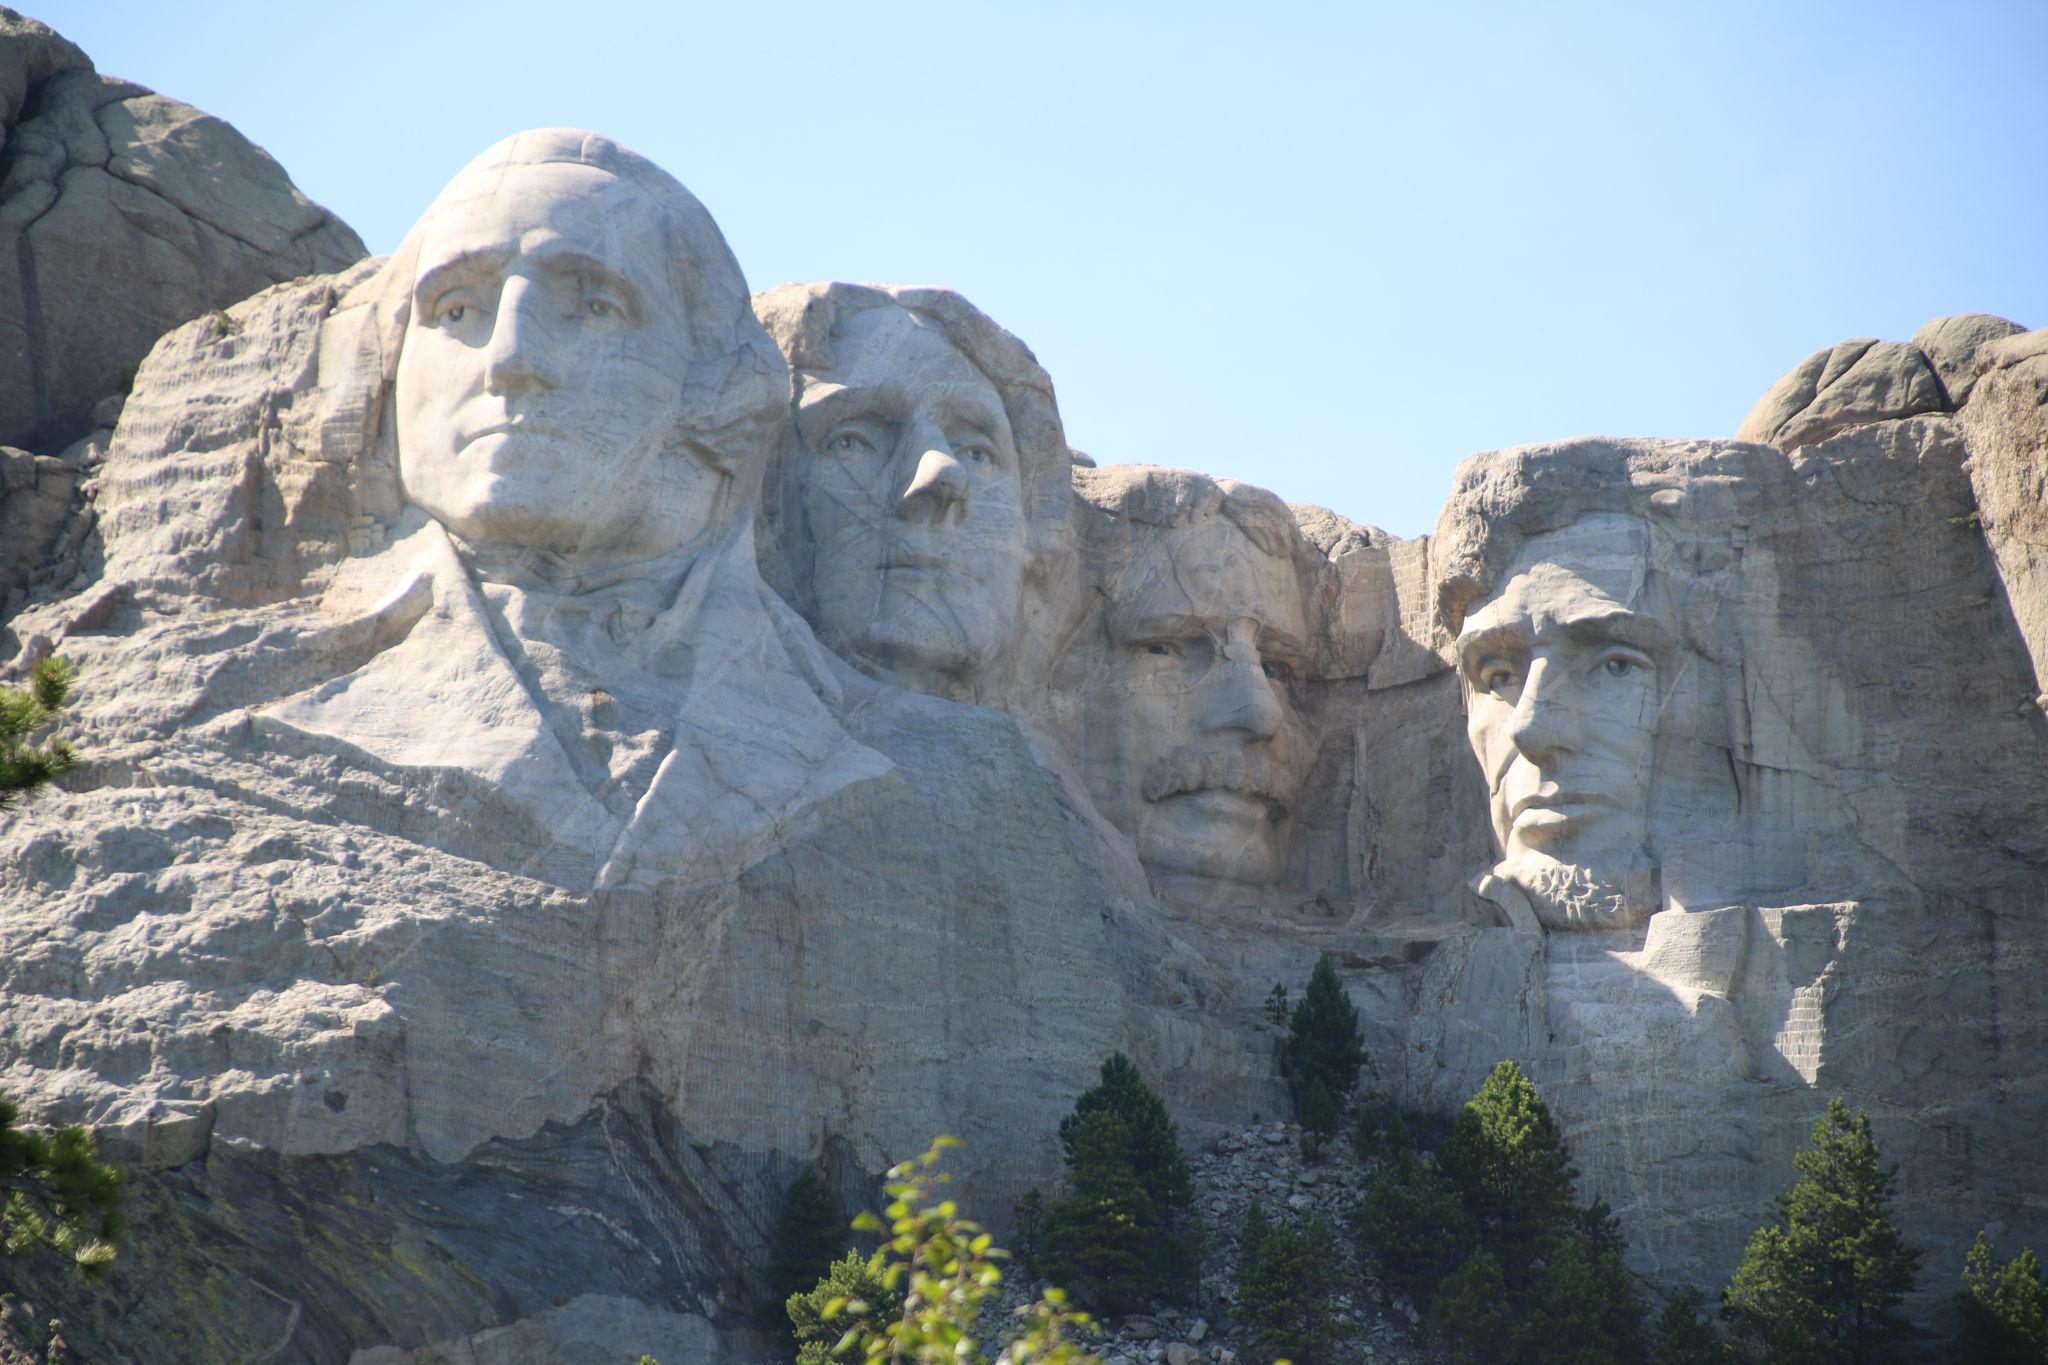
[
  {"x": 1195, "y": 744},
  {"x": 910, "y": 490},
  {"x": 1561, "y": 671},
  {"x": 537, "y": 385}
]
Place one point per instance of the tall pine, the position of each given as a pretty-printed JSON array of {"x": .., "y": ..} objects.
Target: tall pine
[
  {"x": 1821, "y": 1286},
  {"x": 811, "y": 1233},
  {"x": 1324, "y": 1042},
  {"x": 2005, "y": 1311}
]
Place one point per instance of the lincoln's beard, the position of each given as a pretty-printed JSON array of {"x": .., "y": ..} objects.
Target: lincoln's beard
[{"x": 1566, "y": 896}]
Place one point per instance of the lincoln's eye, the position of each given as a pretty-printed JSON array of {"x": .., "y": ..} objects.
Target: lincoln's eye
[{"x": 1621, "y": 668}]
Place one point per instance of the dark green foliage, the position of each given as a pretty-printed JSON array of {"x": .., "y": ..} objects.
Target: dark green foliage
[
  {"x": 1288, "y": 1274},
  {"x": 1318, "y": 1119},
  {"x": 866, "y": 1302},
  {"x": 1027, "y": 1230},
  {"x": 1099, "y": 1240},
  {"x": 1276, "y": 1005},
  {"x": 1490, "y": 1242},
  {"x": 1820, "y": 1287},
  {"x": 811, "y": 1232},
  {"x": 2005, "y": 1313},
  {"x": 1470, "y": 1317},
  {"x": 1583, "y": 1310},
  {"x": 1128, "y": 1230},
  {"x": 1686, "y": 1335},
  {"x": 1507, "y": 1160},
  {"x": 1324, "y": 1042},
  {"x": 58, "y": 1193},
  {"x": 24, "y": 767},
  {"x": 1411, "y": 1223}
]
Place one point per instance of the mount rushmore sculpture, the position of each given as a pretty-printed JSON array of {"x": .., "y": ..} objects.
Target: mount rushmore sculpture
[{"x": 564, "y": 735}]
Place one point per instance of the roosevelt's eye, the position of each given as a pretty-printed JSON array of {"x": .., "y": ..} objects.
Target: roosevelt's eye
[
  {"x": 1165, "y": 649},
  {"x": 1279, "y": 670}
]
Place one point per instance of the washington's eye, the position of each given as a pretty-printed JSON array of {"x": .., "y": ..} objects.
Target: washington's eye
[{"x": 454, "y": 313}]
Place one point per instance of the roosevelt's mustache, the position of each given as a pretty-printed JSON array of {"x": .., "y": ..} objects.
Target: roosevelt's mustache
[{"x": 1252, "y": 772}]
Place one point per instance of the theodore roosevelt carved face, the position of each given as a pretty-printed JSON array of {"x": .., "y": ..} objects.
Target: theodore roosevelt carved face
[
  {"x": 1561, "y": 669},
  {"x": 536, "y": 390},
  {"x": 1188, "y": 686},
  {"x": 908, "y": 477}
]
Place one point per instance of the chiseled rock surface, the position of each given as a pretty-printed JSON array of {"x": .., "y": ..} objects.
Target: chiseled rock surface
[{"x": 122, "y": 214}]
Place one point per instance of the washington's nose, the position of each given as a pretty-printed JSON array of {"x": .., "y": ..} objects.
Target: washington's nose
[
  {"x": 1544, "y": 723},
  {"x": 937, "y": 489},
  {"x": 1237, "y": 697},
  {"x": 514, "y": 357}
]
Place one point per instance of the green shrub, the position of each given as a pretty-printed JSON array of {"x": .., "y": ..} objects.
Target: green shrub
[
  {"x": 831, "y": 1320},
  {"x": 58, "y": 1194},
  {"x": 2005, "y": 1313},
  {"x": 811, "y": 1233}
]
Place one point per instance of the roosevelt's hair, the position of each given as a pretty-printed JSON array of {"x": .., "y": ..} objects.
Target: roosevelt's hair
[
  {"x": 1172, "y": 499},
  {"x": 804, "y": 319}
]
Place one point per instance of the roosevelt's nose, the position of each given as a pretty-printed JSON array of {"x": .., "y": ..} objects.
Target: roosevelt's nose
[
  {"x": 515, "y": 356},
  {"x": 937, "y": 488},
  {"x": 1545, "y": 723},
  {"x": 1237, "y": 697}
]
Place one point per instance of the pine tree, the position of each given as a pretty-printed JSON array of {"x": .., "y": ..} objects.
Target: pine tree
[
  {"x": 1099, "y": 1242},
  {"x": 1686, "y": 1335},
  {"x": 1411, "y": 1223},
  {"x": 811, "y": 1233},
  {"x": 1470, "y": 1316},
  {"x": 25, "y": 767},
  {"x": 2005, "y": 1313},
  {"x": 1318, "y": 1119},
  {"x": 58, "y": 1193},
  {"x": 1507, "y": 1159},
  {"x": 1324, "y": 1042},
  {"x": 1583, "y": 1310},
  {"x": 854, "y": 1296},
  {"x": 1130, "y": 1187},
  {"x": 1288, "y": 1275},
  {"x": 1822, "y": 1284}
]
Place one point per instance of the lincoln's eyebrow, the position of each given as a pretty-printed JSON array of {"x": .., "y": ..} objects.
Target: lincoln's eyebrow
[
  {"x": 1475, "y": 644},
  {"x": 1619, "y": 624}
]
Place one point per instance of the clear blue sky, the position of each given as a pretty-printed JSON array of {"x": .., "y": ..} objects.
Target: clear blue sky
[{"x": 1327, "y": 248}]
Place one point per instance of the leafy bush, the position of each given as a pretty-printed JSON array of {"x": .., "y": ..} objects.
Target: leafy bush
[
  {"x": 851, "y": 1303},
  {"x": 2005, "y": 1314}
]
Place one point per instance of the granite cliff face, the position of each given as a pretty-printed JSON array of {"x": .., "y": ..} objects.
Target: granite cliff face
[{"x": 568, "y": 742}]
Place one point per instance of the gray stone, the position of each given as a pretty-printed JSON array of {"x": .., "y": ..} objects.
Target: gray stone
[{"x": 1846, "y": 385}]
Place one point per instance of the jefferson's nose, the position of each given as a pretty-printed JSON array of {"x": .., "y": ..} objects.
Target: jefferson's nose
[
  {"x": 1544, "y": 723},
  {"x": 514, "y": 357},
  {"x": 937, "y": 488}
]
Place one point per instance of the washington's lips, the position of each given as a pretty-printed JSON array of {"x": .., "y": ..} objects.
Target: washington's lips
[
  {"x": 1241, "y": 772},
  {"x": 517, "y": 426}
]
